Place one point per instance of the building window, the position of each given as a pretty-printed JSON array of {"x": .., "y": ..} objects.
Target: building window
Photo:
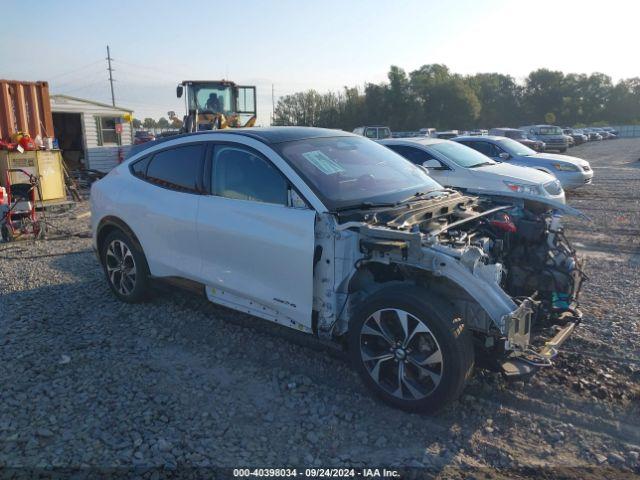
[{"x": 107, "y": 131}]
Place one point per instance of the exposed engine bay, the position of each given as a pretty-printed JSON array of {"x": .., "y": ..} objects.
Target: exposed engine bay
[
  {"x": 507, "y": 266},
  {"x": 536, "y": 257}
]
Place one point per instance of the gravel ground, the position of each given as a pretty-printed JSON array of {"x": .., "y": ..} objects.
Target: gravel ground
[{"x": 89, "y": 382}]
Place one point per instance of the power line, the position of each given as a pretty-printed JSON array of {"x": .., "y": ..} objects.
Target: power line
[
  {"x": 146, "y": 67},
  {"x": 79, "y": 69},
  {"x": 144, "y": 104},
  {"x": 75, "y": 81},
  {"x": 138, "y": 75},
  {"x": 82, "y": 87}
]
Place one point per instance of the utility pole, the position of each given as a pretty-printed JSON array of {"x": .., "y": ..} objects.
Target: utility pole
[{"x": 113, "y": 97}]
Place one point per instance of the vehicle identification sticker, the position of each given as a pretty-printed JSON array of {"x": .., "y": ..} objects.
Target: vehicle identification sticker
[{"x": 322, "y": 162}]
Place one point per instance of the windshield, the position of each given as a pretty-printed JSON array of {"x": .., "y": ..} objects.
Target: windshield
[
  {"x": 348, "y": 171},
  {"x": 211, "y": 98},
  {"x": 514, "y": 148},
  {"x": 550, "y": 131},
  {"x": 461, "y": 155}
]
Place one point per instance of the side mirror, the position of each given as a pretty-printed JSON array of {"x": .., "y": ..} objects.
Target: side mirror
[
  {"x": 179, "y": 90},
  {"x": 432, "y": 163},
  {"x": 504, "y": 156}
]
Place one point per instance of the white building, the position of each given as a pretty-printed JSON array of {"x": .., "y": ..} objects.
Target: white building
[{"x": 91, "y": 134}]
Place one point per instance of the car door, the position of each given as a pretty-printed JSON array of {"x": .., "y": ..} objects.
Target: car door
[
  {"x": 255, "y": 240},
  {"x": 162, "y": 208}
]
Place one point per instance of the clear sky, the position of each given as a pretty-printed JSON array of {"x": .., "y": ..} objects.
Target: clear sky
[{"x": 297, "y": 45}]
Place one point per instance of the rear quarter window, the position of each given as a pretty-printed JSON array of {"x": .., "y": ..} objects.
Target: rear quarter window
[
  {"x": 139, "y": 167},
  {"x": 177, "y": 168}
]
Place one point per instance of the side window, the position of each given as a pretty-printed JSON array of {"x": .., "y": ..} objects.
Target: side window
[
  {"x": 242, "y": 175},
  {"x": 482, "y": 147},
  {"x": 139, "y": 168},
  {"x": 414, "y": 155},
  {"x": 495, "y": 150},
  {"x": 177, "y": 168},
  {"x": 371, "y": 133}
]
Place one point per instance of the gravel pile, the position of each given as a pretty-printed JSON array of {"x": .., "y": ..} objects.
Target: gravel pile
[{"x": 87, "y": 381}]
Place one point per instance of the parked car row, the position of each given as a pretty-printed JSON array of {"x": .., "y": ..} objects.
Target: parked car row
[
  {"x": 572, "y": 172},
  {"x": 378, "y": 248},
  {"x": 540, "y": 138},
  {"x": 505, "y": 145},
  {"x": 143, "y": 136},
  {"x": 455, "y": 165},
  {"x": 519, "y": 136},
  {"x": 596, "y": 133}
]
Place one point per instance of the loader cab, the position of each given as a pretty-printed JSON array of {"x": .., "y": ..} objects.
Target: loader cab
[{"x": 212, "y": 105}]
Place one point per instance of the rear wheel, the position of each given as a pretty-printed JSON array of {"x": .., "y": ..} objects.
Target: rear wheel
[
  {"x": 411, "y": 349},
  {"x": 125, "y": 267}
]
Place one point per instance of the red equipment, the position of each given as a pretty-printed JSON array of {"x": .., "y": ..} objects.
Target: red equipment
[{"x": 21, "y": 217}]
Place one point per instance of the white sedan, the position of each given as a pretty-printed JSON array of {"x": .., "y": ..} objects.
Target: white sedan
[{"x": 457, "y": 166}]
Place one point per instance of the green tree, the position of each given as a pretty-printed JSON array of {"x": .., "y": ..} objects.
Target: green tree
[
  {"x": 433, "y": 96},
  {"x": 136, "y": 123},
  {"x": 424, "y": 81},
  {"x": 446, "y": 100},
  {"x": 624, "y": 103},
  {"x": 402, "y": 110},
  {"x": 499, "y": 96},
  {"x": 162, "y": 123},
  {"x": 596, "y": 93},
  {"x": 149, "y": 123},
  {"x": 543, "y": 94},
  {"x": 301, "y": 109}
]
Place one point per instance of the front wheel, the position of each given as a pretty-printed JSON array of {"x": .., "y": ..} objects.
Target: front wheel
[{"x": 411, "y": 349}]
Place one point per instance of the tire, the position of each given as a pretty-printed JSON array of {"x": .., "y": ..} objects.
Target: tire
[
  {"x": 435, "y": 334},
  {"x": 6, "y": 233},
  {"x": 130, "y": 285}
]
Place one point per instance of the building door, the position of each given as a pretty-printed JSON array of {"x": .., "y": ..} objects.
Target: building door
[{"x": 67, "y": 128}]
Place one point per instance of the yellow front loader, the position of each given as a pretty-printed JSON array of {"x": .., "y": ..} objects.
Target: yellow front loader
[{"x": 217, "y": 104}]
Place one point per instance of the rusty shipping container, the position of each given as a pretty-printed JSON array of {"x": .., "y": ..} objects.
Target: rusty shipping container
[{"x": 26, "y": 107}]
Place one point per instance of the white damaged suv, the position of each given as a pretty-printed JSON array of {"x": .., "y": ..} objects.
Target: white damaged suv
[{"x": 334, "y": 235}]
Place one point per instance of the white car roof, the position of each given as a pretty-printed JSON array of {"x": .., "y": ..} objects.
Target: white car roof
[
  {"x": 412, "y": 140},
  {"x": 480, "y": 138}
]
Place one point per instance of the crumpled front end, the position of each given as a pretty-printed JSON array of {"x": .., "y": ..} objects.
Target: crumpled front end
[
  {"x": 510, "y": 272},
  {"x": 526, "y": 258}
]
